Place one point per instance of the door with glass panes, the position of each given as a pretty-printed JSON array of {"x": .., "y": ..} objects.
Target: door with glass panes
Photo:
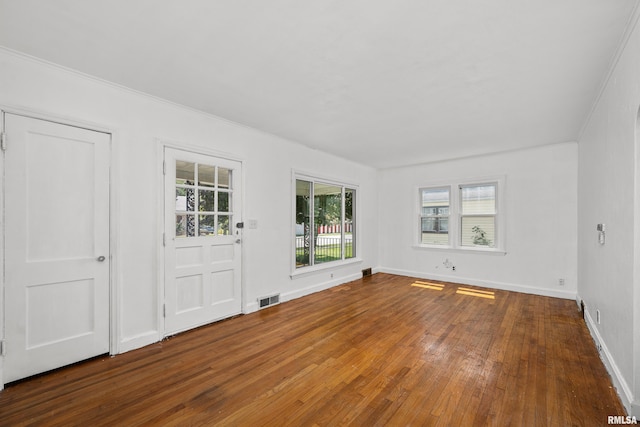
[{"x": 202, "y": 241}]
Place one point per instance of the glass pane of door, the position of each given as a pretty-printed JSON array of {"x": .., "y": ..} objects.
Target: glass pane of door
[{"x": 206, "y": 190}]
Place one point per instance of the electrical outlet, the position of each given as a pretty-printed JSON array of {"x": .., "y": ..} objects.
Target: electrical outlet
[
  {"x": 598, "y": 317},
  {"x": 561, "y": 282}
]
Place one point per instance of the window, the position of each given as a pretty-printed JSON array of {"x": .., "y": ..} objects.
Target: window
[
  {"x": 462, "y": 216},
  {"x": 435, "y": 216},
  {"x": 478, "y": 215},
  {"x": 324, "y": 222}
]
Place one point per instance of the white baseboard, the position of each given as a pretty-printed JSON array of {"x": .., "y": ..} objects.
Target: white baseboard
[
  {"x": 320, "y": 287},
  {"x": 298, "y": 293},
  {"x": 622, "y": 387},
  {"x": 483, "y": 283}
]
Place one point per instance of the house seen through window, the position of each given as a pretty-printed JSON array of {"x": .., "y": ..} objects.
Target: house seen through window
[
  {"x": 463, "y": 216},
  {"x": 478, "y": 215},
  {"x": 435, "y": 216}
]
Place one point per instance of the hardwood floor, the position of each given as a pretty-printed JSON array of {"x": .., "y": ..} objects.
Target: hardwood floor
[{"x": 376, "y": 351}]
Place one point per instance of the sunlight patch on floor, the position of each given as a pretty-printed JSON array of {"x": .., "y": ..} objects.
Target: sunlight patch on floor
[
  {"x": 428, "y": 285},
  {"x": 476, "y": 293}
]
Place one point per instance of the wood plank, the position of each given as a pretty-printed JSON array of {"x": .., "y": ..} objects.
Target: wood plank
[{"x": 376, "y": 351}]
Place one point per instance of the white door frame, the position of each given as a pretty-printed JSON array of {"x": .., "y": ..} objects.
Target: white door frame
[
  {"x": 161, "y": 145},
  {"x": 114, "y": 308}
]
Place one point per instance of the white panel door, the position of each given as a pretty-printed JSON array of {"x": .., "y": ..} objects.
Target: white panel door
[
  {"x": 56, "y": 245},
  {"x": 202, "y": 241}
]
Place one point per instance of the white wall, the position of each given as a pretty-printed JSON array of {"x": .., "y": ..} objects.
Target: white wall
[
  {"x": 139, "y": 123},
  {"x": 608, "y": 193},
  {"x": 540, "y": 220}
]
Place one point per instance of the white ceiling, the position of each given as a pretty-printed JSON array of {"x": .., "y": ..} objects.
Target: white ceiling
[{"x": 382, "y": 82}]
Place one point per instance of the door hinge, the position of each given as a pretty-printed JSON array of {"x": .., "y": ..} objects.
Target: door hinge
[
  {"x": 164, "y": 168},
  {"x": 3, "y": 141},
  {"x": 164, "y": 239},
  {"x": 164, "y": 310},
  {"x": 3, "y": 347}
]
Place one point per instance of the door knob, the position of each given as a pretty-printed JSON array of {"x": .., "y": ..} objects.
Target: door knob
[{"x": 101, "y": 258}]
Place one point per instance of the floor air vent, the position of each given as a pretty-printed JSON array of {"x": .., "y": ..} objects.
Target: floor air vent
[{"x": 267, "y": 301}]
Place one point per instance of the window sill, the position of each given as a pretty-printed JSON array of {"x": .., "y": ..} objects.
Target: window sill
[
  {"x": 473, "y": 250},
  {"x": 305, "y": 271}
]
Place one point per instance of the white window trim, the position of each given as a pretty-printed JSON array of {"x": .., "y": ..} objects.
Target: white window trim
[
  {"x": 304, "y": 271},
  {"x": 455, "y": 215}
]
